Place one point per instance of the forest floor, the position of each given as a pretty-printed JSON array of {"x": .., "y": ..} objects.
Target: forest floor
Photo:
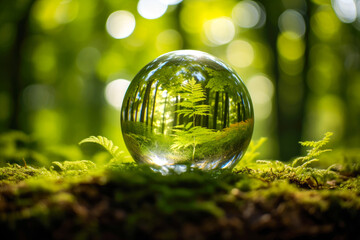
[{"x": 256, "y": 200}]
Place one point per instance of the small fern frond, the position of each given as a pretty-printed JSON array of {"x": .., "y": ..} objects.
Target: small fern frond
[
  {"x": 320, "y": 143},
  {"x": 193, "y": 94},
  {"x": 73, "y": 168},
  {"x": 305, "y": 164},
  {"x": 106, "y": 143},
  {"x": 314, "y": 152}
]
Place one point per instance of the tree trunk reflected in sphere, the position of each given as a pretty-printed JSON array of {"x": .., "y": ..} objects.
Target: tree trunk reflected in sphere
[{"x": 187, "y": 108}]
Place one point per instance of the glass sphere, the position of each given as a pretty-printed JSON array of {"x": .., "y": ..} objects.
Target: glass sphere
[{"x": 187, "y": 108}]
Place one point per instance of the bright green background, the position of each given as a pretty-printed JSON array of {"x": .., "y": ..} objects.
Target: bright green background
[{"x": 300, "y": 60}]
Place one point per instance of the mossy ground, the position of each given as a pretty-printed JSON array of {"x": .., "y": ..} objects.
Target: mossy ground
[{"x": 86, "y": 200}]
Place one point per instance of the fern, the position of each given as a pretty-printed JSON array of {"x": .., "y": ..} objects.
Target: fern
[
  {"x": 193, "y": 94},
  {"x": 314, "y": 152},
  {"x": 106, "y": 143},
  {"x": 192, "y": 137},
  {"x": 196, "y": 135},
  {"x": 73, "y": 168},
  {"x": 298, "y": 171},
  {"x": 188, "y": 134},
  {"x": 75, "y": 165}
]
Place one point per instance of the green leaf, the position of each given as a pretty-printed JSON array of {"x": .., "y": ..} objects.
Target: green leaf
[
  {"x": 314, "y": 152},
  {"x": 106, "y": 143},
  {"x": 193, "y": 94},
  {"x": 188, "y": 125}
]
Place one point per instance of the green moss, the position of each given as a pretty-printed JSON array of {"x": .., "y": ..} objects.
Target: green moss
[
  {"x": 15, "y": 173},
  {"x": 352, "y": 184},
  {"x": 81, "y": 199},
  {"x": 73, "y": 168}
]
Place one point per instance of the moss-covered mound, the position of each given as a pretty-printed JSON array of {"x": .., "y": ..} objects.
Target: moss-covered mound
[
  {"x": 137, "y": 203},
  {"x": 112, "y": 199}
]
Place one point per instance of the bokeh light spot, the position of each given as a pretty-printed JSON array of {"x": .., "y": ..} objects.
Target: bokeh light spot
[
  {"x": 292, "y": 21},
  {"x": 290, "y": 46},
  {"x": 50, "y": 14},
  {"x": 261, "y": 90},
  {"x": 44, "y": 59},
  {"x": 151, "y": 9},
  {"x": 192, "y": 18},
  {"x": 219, "y": 31},
  {"x": 120, "y": 24},
  {"x": 44, "y": 11},
  {"x": 345, "y": 10},
  {"x": 115, "y": 92},
  {"x": 38, "y": 96},
  {"x": 66, "y": 12},
  {"x": 246, "y": 14},
  {"x": 324, "y": 23},
  {"x": 240, "y": 53}
]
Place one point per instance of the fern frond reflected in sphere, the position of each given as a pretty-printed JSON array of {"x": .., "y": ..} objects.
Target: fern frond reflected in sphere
[{"x": 187, "y": 108}]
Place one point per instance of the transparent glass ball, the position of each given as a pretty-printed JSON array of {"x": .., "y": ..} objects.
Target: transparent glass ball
[{"x": 187, "y": 108}]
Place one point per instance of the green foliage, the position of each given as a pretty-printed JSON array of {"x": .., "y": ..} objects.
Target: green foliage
[
  {"x": 253, "y": 199},
  {"x": 352, "y": 184},
  {"x": 192, "y": 137},
  {"x": 302, "y": 174},
  {"x": 297, "y": 172},
  {"x": 214, "y": 84},
  {"x": 140, "y": 202},
  {"x": 314, "y": 152},
  {"x": 193, "y": 94},
  {"x": 14, "y": 173},
  {"x": 115, "y": 152},
  {"x": 73, "y": 168},
  {"x": 188, "y": 134}
]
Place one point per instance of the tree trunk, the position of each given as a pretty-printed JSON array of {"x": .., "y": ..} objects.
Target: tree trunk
[
  {"x": 185, "y": 42},
  {"x": 133, "y": 105},
  {"x": 221, "y": 110},
  {"x": 144, "y": 104},
  {"x": 216, "y": 106},
  {"x": 289, "y": 117},
  {"x": 153, "y": 107},
  {"x": 226, "y": 111},
  {"x": 138, "y": 103},
  {"x": 163, "y": 119},
  {"x": 238, "y": 112},
  {"x": 205, "y": 119},
  {"x": 126, "y": 114},
  {"x": 14, "y": 67}
]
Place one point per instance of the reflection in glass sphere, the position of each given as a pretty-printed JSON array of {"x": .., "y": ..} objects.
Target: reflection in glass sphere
[{"x": 187, "y": 108}]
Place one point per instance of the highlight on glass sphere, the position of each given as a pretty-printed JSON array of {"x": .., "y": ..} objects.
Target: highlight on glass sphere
[{"x": 187, "y": 109}]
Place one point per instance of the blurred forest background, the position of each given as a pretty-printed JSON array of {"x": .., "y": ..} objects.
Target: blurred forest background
[{"x": 65, "y": 64}]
